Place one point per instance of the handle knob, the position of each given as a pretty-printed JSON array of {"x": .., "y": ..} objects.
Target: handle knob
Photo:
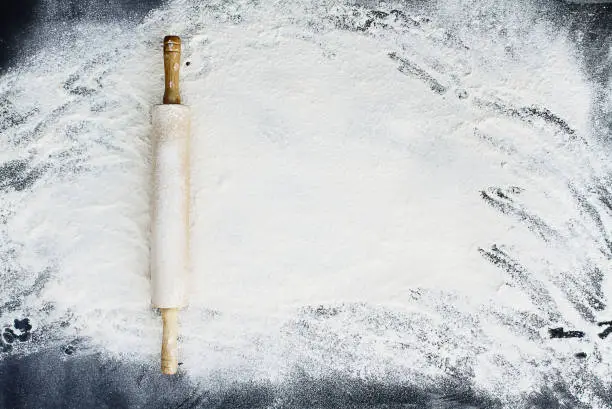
[{"x": 172, "y": 65}]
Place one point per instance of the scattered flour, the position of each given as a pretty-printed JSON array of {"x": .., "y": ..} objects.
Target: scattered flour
[{"x": 408, "y": 198}]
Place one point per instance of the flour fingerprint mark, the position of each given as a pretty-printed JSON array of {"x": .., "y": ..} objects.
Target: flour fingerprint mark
[
  {"x": 18, "y": 175},
  {"x": 11, "y": 117},
  {"x": 592, "y": 213},
  {"x": 528, "y": 114},
  {"x": 410, "y": 68},
  {"x": 13, "y": 278},
  {"x": 520, "y": 277},
  {"x": 504, "y": 201}
]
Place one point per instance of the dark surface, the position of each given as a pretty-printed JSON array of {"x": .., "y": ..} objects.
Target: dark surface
[
  {"x": 51, "y": 379},
  {"x": 20, "y": 19},
  {"x": 15, "y": 19}
]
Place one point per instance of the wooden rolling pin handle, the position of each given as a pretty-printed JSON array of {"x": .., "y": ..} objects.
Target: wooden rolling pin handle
[
  {"x": 169, "y": 352},
  {"x": 172, "y": 65}
]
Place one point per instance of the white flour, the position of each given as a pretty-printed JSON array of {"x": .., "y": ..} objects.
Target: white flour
[{"x": 376, "y": 171}]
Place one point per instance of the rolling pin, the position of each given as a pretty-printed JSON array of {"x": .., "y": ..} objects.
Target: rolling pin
[{"x": 170, "y": 214}]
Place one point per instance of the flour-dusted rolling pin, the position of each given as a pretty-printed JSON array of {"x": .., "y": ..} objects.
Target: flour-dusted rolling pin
[{"x": 170, "y": 221}]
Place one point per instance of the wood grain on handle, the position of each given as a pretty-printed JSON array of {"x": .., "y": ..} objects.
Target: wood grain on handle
[
  {"x": 169, "y": 352},
  {"x": 172, "y": 65}
]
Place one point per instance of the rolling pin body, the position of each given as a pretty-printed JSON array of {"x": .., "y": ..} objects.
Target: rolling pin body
[{"x": 170, "y": 224}]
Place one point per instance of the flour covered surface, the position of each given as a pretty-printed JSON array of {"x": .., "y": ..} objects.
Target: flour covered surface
[{"x": 408, "y": 195}]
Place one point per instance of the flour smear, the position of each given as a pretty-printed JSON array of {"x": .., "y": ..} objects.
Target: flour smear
[{"x": 408, "y": 192}]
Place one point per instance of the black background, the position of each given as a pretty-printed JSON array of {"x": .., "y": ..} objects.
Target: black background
[{"x": 18, "y": 19}]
